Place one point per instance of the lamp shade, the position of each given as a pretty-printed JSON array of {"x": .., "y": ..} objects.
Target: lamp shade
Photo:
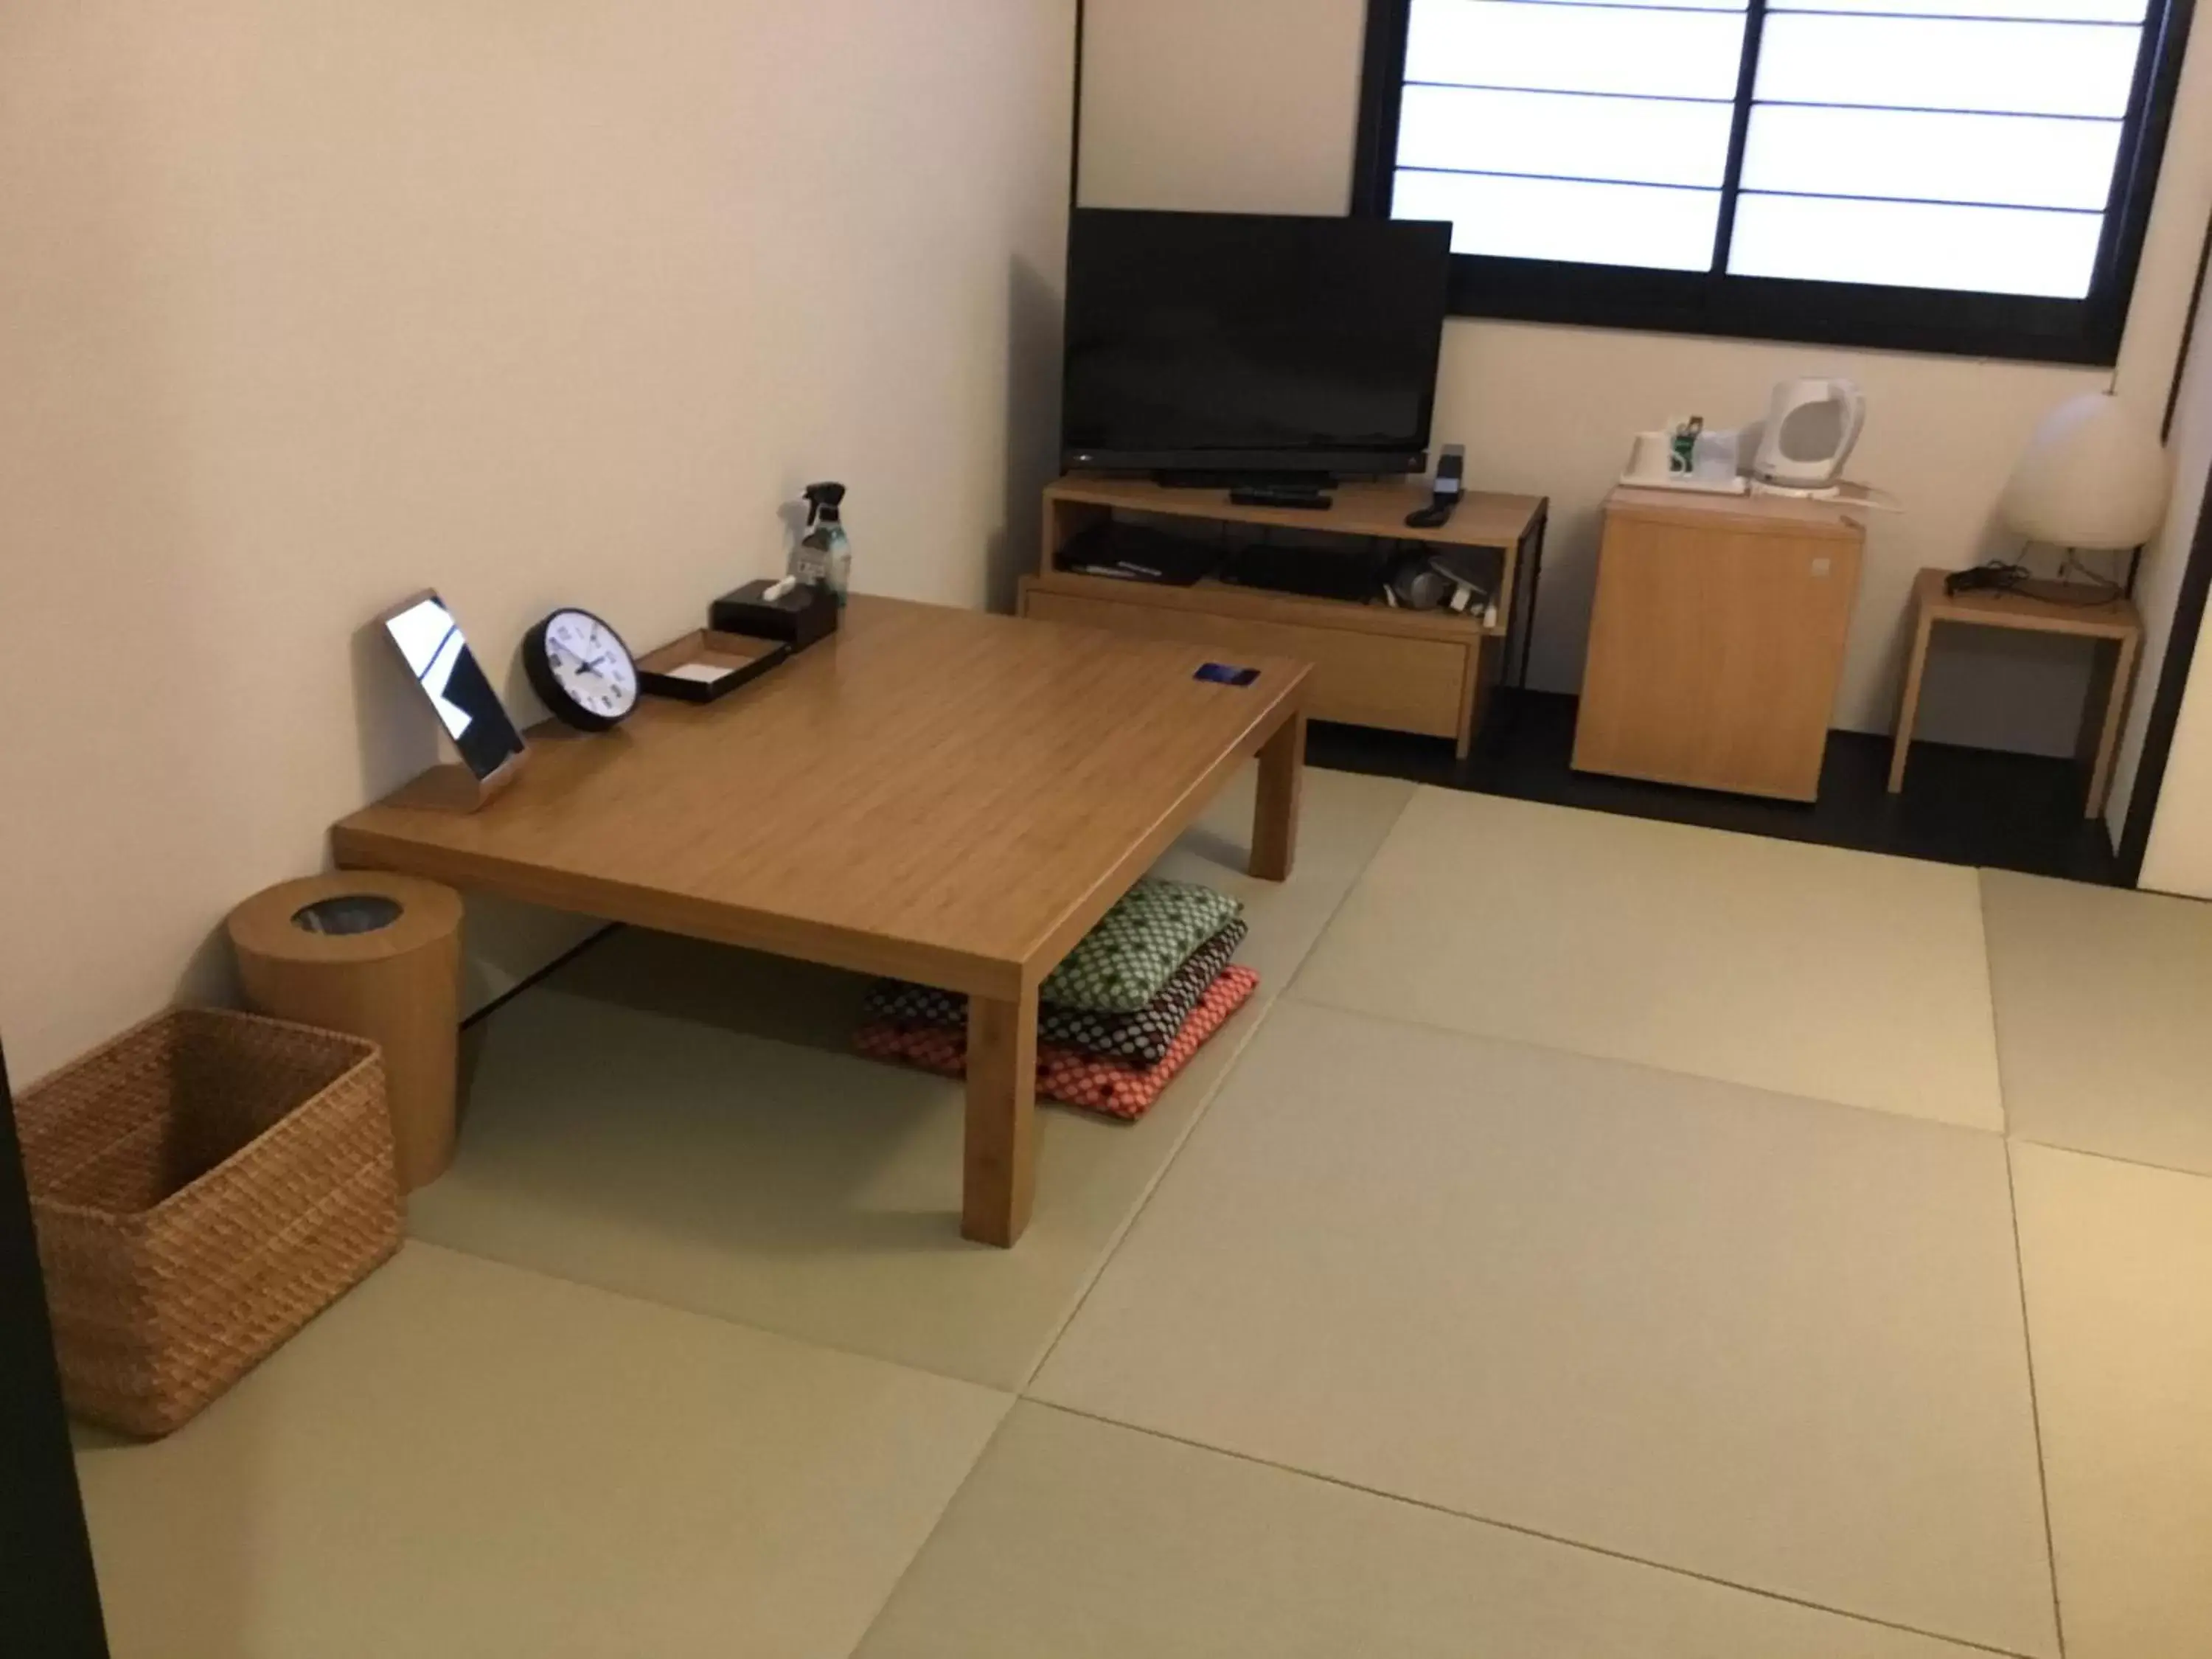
[{"x": 2094, "y": 475}]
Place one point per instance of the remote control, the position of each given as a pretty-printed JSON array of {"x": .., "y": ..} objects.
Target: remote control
[
  {"x": 1450, "y": 484},
  {"x": 1282, "y": 496}
]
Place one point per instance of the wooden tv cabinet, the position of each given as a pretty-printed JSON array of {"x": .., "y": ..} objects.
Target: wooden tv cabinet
[{"x": 1426, "y": 671}]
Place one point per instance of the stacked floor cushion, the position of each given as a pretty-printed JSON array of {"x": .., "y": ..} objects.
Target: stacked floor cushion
[
  {"x": 1124, "y": 961},
  {"x": 1119, "y": 1088},
  {"x": 1116, "y": 1020},
  {"x": 1143, "y": 1036}
]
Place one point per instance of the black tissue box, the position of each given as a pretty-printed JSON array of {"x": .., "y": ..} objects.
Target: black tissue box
[{"x": 801, "y": 617}]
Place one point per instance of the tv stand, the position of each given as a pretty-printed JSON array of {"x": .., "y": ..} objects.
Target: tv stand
[
  {"x": 1170, "y": 478},
  {"x": 1427, "y": 671}
]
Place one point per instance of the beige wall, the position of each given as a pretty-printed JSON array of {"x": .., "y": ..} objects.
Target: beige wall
[
  {"x": 1251, "y": 106},
  {"x": 2178, "y": 858},
  {"x": 2189, "y": 443},
  {"x": 304, "y": 304}
]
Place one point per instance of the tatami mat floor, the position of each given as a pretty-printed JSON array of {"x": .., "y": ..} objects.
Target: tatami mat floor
[{"x": 1605, "y": 1238}]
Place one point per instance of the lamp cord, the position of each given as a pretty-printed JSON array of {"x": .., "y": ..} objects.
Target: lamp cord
[{"x": 2009, "y": 575}]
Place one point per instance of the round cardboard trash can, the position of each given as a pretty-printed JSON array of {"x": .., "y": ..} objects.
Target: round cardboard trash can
[{"x": 376, "y": 956}]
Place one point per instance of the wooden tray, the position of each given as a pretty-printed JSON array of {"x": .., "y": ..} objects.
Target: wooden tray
[{"x": 741, "y": 659}]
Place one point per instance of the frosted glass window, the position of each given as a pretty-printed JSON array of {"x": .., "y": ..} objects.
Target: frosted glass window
[
  {"x": 1963, "y": 145},
  {"x": 1634, "y": 140},
  {"x": 1913, "y": 245},
  {"x": 1549, "y": 219},
  {"x": 2085, "y": 12},
  {"x": 2029, "y": 69},
  {"x": 2002, "y": 159},
  {"x": 1644, "y": 51}
]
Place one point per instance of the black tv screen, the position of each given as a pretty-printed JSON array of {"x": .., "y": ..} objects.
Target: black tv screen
[{"x": 1249, "y": 343}]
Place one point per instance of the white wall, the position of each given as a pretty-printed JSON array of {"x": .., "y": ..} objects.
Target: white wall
[
  {"x": 2178, "y": 858},
  {"x": 1252, "y": 105},
  {"x": 304, "y": 304},
  {"x": 2190, "y": 443}
]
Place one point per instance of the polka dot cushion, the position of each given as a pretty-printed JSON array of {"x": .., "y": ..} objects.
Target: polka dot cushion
[
  {"x": 1115, "y": 1087},
  {"x": 1143, "y": 1037},
  {"x": 1127, "y": 960}
]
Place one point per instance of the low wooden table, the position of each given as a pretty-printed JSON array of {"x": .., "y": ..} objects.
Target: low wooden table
[
  {"x": 2035, "y": 607},
  {"x": 938, "y": 794}
]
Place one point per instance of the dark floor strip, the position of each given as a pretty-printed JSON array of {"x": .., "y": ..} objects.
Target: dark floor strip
[{"x": 1972, "y": 806}]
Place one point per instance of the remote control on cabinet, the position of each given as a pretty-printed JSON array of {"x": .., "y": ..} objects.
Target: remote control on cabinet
[
  {"x": 1291, "y": 495},
  {"x": 1444, "y": 493}
]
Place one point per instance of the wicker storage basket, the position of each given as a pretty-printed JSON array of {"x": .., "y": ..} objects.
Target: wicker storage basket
[{"x": 203, "y": 1187}]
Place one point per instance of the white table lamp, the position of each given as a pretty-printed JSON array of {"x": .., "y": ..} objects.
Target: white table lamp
[{"x": 2093, "y": 476}]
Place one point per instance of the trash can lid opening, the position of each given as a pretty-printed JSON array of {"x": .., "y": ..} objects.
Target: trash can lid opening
[{"x": 349, "y": 913}]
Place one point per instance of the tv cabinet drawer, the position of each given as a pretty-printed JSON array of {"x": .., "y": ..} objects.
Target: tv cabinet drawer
[{"x": 1423, "y": 685}]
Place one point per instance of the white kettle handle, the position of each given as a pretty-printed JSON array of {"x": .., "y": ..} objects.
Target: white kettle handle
[{"x": 1855, "y": 419}]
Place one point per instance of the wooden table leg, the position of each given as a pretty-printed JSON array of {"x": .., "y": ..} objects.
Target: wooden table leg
[
  {"x": 999, "y": 1178},
  {"x": 1275, "y": 813},
  {"x": 1910, "y": 713},
  {"x": 2105, "y": 715}
]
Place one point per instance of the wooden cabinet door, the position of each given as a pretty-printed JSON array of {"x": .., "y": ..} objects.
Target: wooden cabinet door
[{"x": 1715, "y": 653}]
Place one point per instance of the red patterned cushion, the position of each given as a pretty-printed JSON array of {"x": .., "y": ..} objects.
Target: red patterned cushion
[
  {"x": 1115, "y": 1087},
  {"x": 1144, "y": 1037}
]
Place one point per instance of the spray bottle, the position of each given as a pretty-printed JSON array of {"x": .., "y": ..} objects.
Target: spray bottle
[{"x": 824, "y": 554}]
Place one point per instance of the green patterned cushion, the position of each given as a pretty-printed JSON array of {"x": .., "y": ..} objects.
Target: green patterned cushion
[{"x": 1124, "y": 961}]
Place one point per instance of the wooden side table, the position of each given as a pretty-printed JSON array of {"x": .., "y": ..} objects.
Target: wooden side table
[{"x": 2035, "y": 607}]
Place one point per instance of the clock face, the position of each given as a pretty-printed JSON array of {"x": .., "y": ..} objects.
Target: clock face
[{"x": 589, "y": 664}]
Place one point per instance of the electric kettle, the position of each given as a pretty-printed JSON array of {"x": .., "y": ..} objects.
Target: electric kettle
[{"x": 1807, "y": 436}]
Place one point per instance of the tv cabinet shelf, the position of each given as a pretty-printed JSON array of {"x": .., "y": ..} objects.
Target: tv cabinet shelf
[
  {"x": 1426, "y": 671},
  {"x": 1261, "y": 604}
]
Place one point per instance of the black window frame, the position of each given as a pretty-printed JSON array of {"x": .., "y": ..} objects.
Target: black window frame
[{"x": 1946, "y": 321}]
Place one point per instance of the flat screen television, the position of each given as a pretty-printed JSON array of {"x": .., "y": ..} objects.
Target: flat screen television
[{"x": 1235, "y": 345}]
